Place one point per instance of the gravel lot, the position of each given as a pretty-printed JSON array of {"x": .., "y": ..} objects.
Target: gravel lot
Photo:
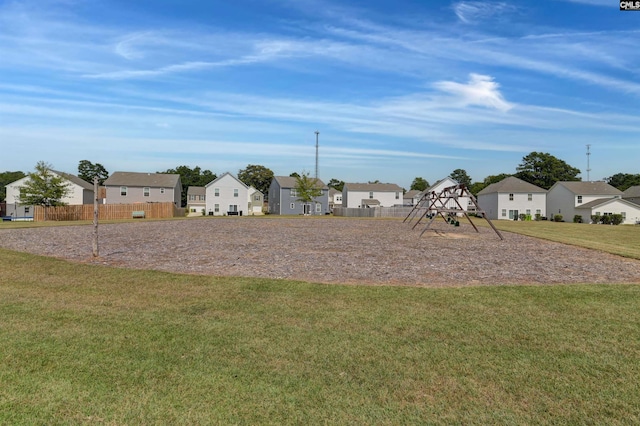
[{"x": 329, "y": 250}]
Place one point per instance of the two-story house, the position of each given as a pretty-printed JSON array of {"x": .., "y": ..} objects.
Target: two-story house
[
  {"x": 284, "y": 198},
  {"x": 367, "y": 195},
  {"x": 227, "y": 196},
  {"x": 133, "y": 187},
  {"x": 511, "y": 197},
  {"x": 581, "y": 198}
]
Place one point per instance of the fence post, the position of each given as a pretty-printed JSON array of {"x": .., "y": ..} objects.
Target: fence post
[{"x": 96, "y": 250}]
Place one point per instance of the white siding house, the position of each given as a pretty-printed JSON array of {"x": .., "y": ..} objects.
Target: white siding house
[
  {"x": 511, "y": 197},
  {"x": 227, "y": 195},
  {"x": 362, "y": 195},
  {"x": 629, "y": 211},
  {"x": 196, "y": 200},
  {"x": 255, "y": 201},
  {"x": 438, "y": 187},
  {"x": 567, "y": 198},
  {"x": 80, "y": 192}
]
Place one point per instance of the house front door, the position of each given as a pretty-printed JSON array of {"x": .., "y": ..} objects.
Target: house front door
[
  {"x": 306, "y": 208},
  {"x": 513, "y": 214}
]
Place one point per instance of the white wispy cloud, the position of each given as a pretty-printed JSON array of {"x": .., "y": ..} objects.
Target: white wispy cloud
[
  {"x": 481, "y": 90},
  {"x": 471, "y": 12}
]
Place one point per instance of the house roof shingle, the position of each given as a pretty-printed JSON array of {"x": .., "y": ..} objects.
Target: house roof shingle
[
  {"x": 196, "y": 190},
  {"x": 291, "y": 182},
  {"x": 155, "y": 180},
  {"x": 633, "y": 191},
  {"x": 75, "y": 179},
  {"x": 512, "y": 184},
  {"x": 377, "y": 187},
  {"x": 602, "y": 201},
  {"x": 589, "y": 188}
]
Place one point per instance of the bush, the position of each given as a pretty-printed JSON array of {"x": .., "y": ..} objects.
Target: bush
[
  {"x": 577, "y": 219},
  {"x": 557, "y": 218},
  {"x": 595, "y": 218},
  {"x": 616, "y": 219},
  {"x": 538, "y": 216},
  {"x": 606, "y": 219},
  {"x": 522, "y": 216}
]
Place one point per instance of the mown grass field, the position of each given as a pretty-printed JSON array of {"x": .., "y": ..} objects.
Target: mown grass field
[
  {"x": 89, "y": 344},
  {"x": 623, "y": 240}
]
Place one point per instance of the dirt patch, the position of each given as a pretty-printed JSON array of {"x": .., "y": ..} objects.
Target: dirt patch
[{"x": 330, "y": 250}]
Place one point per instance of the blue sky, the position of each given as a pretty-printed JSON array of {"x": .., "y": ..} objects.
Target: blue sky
[{"x": 397, "y": 89}]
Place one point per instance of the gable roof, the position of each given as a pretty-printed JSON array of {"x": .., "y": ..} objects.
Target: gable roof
[
  {"x": 291, "y": 182},
  {"x": 155, "y": 180},
  {"x": 589, "y": 188},
  {"x": 633, "y": 191},
  {"x": 439, "y": 183},
  {"x": 368, "y": 187},
  {"x": 75, "y": 179},
  {"x": 223, "y": 175},
  {"x": 411, "y": 194},
  {"x": 512, "y": 184},
  {"x": 196, "y": 190},
  {"x": 602, "y": 201}
]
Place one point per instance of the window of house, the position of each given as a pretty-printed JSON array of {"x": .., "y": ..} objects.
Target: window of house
[
  {"x": 146, "y": 191},
  {"x": 598, "y": 214},
  {"x": 293, "y": 206},
  {"x": 192, "y": 197},
  {"x": 528, "y": 212},
  {"x": 162, "y": 190},
  {"x": 294, "y": 192},
  {"x": 256, "y": 198},
  {"x": 27, "y": 210},
  {"x": 530, "y": 197},
  {"x": 371, "y": 195},
  {"x": 624, "y": 215},
  {"x": 235, "y": 193},
  {"x": 510, "y": 197},
  {"x": 193, "y": 210},
  {"x": 216, "y": 208},
  {"x": 233, "y": 208},
  {"x": 216, "y": 192},
  {"x": 397, "y": 195},
  {"x": 123, "y": 191},
  {"x": 202, "y": 198},
  {"x": 318, "y": 208},
  {"x": 579, "y": 199},
  {"x": 504, "y": 212},
  {"x": 538, "y": 211}
]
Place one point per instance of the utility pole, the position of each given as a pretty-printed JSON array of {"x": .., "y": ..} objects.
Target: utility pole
[
  {"x": 588, "y": 156},
  {"x": 317, "y": 133},
  {"x": 96, "y": 250}
]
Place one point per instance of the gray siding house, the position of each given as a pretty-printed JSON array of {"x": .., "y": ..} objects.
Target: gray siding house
[
  {"x": 283, "y": 198},
  {"x": 131, "y": 187},
  {"x": 632, "y": 194}
]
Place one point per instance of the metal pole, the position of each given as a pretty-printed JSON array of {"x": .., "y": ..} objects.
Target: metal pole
[
  {"x": 96, "y": 251},
  {"x": 317, "y": 133}
]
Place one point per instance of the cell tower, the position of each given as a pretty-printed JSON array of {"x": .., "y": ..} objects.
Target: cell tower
[
  {"x": 317, "y": 133},
  {"x": 588, "y": 157}
]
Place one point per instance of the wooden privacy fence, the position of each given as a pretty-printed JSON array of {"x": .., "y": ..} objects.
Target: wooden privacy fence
[{"x": 106, "y": 211}]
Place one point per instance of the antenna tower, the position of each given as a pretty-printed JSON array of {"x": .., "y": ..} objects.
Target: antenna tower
[
  {"x": 588, "y": 157},
  {"x": 317, "y": 133}
]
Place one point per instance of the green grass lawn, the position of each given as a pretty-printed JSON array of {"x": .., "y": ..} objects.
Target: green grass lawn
[
  {"x": 623, "y": 240},
  {"x": 91, "y": 344}
]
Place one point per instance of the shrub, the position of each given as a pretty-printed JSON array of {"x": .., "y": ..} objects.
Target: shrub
[
  {"x": 538, "y": 216},
  {"x": 577, "y": 219},
  {"x": 606, "y": 219},
  {"x": 557, "y": 218},
  {"x": 595, "y": 218},
  {"x": 522, "y": 216},
  {"x": 616, "y": 219}
]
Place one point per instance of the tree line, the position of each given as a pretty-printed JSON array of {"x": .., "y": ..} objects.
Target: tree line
[{"x": 538, "y": 168}]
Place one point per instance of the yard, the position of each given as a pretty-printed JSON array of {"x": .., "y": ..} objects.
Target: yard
[{"x": 83, "y": 342}]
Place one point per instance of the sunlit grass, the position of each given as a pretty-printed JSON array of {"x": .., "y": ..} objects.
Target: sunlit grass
[{"x": 83, "y": 344}]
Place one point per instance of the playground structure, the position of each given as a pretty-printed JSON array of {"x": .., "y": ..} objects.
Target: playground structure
[{"x": 433, "y": 204}]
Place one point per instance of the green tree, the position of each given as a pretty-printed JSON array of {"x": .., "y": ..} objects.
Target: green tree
[
  {"x": 87, "y": 171},
  {"x": 461, "y": 176},
  {"x": 543, "y": 169},
  {"x": 308, "y": 188},
  {"x": 191, "y": 177},
  {"x": 419, "y": 184},
  {"x": 258, "y": 176},
  {"x": 336, "y": 184},
  {"x": 44, "y": 187},
  {"x": 623, "y": 181},
  {"x": 7, "y": 178},
  {"x": 294, "y": 174}
]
